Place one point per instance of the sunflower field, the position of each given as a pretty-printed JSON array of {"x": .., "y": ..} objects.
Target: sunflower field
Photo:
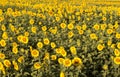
[{"x": 59, "y": 38}]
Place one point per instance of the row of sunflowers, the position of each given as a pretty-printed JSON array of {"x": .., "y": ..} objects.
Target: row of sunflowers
[{"x": 59, "y": 40}]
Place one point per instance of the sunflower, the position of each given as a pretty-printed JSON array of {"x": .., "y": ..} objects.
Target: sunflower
[
  {"x": 70, "y": 26},
  {"x": 31, "y": 21},
  {"x": 100, "y": 47},
  {"x": 5, "y": 35},
  {"x": 12, "y": 27},
  {"x": 96, "y": 27},
  {"x": 46, "y": 41},
  {"x": 104, "y": 18},
  {"x": 44, "y": 28},
  {"x": 93, "y": 36},
  {"x": 117, "y": 60},
  {"x": 103, "y": 26},
  {"x": 3, "y": 27},
  {"x": 19, "y": 38},
  {"x": 34, "y": 29},
  {"x": 3, "y": 43},
  {"x": 15, "y": 50},
  {"x": 76, "y": 61},
  {"x": 109, "y": 42},
  {"x": 63, "y": 25},
  {"x": 37, "y": 65},
  {"x": 84, "y": 27},
  {"x": 16, "y": 67},
  {"x": 53, "y": 57},
  {"x": 20, "y": 59},
  {"x": 1, "y": 66},
  {"x": 105, "y": 67},
  {"x": 117, "y": 35},
  {"x": 60, "y": 60},
  {"x": 73, "y": 50},
  {"x": 78, "y": 27},
  {"x": 26, "y": 34},
  {"x": 109, "y": 31},
  {"x": 116, "y": 52},
  {"x": 7, "y": 63},
  {"x": 80, "y": 32},
  {"x": 62, "y": 74},
  {"x": 70, "y": 34},
  {"x": 2, "y": 56},
  {"x": 14, "y": 44},
  {"x": 24, "y": 40},
  {"x": 53, "y": 45},
  {"x": 35, "y": 53},
  {"x": 118, "y": 45},
  {"x": 1, "y": 19},
  {"x": 113, "y": 46},
  {"x": 57, "y": 50},
  {"x": 67, "y": 62},
  {"x": 39, "y": 44},
  {"x": 63, "y": 52},
  {"x": 57, "y": 19}
]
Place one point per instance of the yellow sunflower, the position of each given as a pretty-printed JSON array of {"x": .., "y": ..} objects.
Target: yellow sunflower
[
  {"x": 62, "y": 74},
  {"x": 3, "y": 27},
  {"x": 80, "y": 32},
  {"x": 2, "y": 56},
  {"x": 103, "y": 26},
  {"x": 84, "y": 27},
  {"x": 117, "y": 60},
  {"x": 24, "y": 40},
  {"x": 109, "y": 31},
  {"x": 76, "y": 61},
  {"x": 53, "y": 57},
  {"x": 15, "y": 50},
  {"x": 70, "y": 26},
  {"x": 70, "y": 34},
  {"x": 44, "y": 28},
  {"x": 31, "y": 21},
  {"x": 39, "y": 44},
  {"x": 20, "y": 59},
  {"x": 5, "y": 35},
  {"x": 118, "y": 45},
  {"x": 63, "y": 25},
  {"x": 26, "y": 34},
  {"x": 1, "y": 66},
  {"x": 105, "y": 67},
  {"x": 46, "y": 41},
  {"x": 100, "y": 47},
  {"x": 93, "y": 36},
  {"x": 60, "y": 60},
  {"x": 34, "y": 29},
  {"x": 117, "y": 35},
  {"x": 53, "y": 45},
  {"x": 37, "y": 65},
  {"x": 116, "y": 52},
  {"x": 7, "y": 63},
  {"x": 19, "y": 38},
  {"x": 73, "y": 50},
  {"x": 67, "y": 62},
  {"x": 15, "y": 64},
  {"x": 96, "y": 27},
  {"x": 63, "y": 52},
  {"x": 3, "y": 43},
  {"x": 35, "y": 53}
]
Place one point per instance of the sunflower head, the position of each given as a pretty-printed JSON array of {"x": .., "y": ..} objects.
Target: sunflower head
[{"x": 77, "y": 61}]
